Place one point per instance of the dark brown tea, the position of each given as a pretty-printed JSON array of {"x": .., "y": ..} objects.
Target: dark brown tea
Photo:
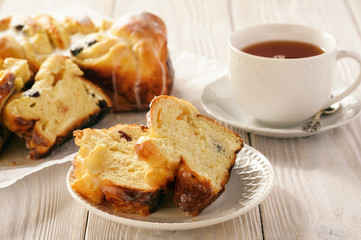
[{"x": 283, "y": 49}]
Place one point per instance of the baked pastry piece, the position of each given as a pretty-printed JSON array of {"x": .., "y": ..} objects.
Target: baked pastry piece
[
  {"x": 106, "y": 167},
  {"x": 131, "y": 165},
  {"x": 79, "y": 25},
  {"x": 198, "y": 150},
  {"x": 131, "y": 61},
  {"x": 128, "y": 58},
  {"x": 39, "y": 37},
  {"x": 14, "y": 74},
  {"x": 21, "y": 71},
  {"x": 59, "y": 101},
  {"x": 7, "y": 86}
]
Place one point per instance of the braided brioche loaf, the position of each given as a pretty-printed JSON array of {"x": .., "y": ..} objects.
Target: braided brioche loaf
[
  {"x": 182, "y": 149},
  {"x": 128, "y": 58},
  {"x": 59, "y": 101}
]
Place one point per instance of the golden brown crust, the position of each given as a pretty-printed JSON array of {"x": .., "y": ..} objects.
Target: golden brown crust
[
  {"x": 4, "y": 23},
  {"x": 12, "y": 77},
  {"x": 35, "y": 42},
  {"x": 98, "y": 179},
  {"x": 133, "y": 65},
  {"x": 196, "y": 184},
  {"x": 38, "y": 145},
  {"x": 192, "y": 192},
  {"x": 82, "y": 25},
  {"x": 7, "y": 86},
  {"x": 132, "y": 200},
  {"x": 136, "y": 70},
  {"x": 9, "y": 47},
  {"x": 59, "y": 37},
  {"x": 128, "y": 58},
  {"x": 24, "y": 115}
]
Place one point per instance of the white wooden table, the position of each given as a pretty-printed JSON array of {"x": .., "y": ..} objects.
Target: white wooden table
[{"x": 317, "y": 190}]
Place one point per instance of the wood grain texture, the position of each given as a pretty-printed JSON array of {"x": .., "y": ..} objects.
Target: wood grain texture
[
  {"x": 9, "y": 7},
  {"x": 317, "y": 190},
  {"x": 239, "y": 228},
  {"x": 39, "y": 207},
  {"x": 314, "y": 191}
]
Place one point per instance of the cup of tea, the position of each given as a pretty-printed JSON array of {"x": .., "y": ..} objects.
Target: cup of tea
[{"x": 282, "y": 74}]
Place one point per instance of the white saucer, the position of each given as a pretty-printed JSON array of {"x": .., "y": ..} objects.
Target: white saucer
[
  {"x": 217, "y": 100},
  {"x": 250, "y": 183}
]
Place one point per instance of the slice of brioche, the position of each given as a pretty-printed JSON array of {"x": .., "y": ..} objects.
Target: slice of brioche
[
  {"x": 198, "y": 150},
  {"x": 106, "y": 166},
  {"x": 59, "y": 101},
  {"x": 20, "y": 68},
  {"x": 14, "y": 74}
]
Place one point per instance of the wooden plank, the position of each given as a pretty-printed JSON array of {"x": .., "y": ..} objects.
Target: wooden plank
[
  {"x": 11, "y": 7},
  {"x": 238, "y": 228},
  {"x": 317, "y": 186},
  {"x": 354, "y": 7},
  {"x": 39, "y": 207}
]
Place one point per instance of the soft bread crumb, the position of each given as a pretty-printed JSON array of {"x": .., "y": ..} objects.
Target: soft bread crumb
[
  {"x": 129, "y": 163},
  {"x": 59, "y": 101},
  {"x": 107, "y": 167},
  {"x": 201, "y": 151}
]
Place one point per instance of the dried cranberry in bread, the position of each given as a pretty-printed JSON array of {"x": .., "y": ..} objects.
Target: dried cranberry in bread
[
  {"x": 199, "y": 151},
  {"x": 59, "y": 101},
  {"x": 106, "y": 167}
]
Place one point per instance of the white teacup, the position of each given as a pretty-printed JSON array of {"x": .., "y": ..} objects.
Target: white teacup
[{"x": 283, "y": 92}]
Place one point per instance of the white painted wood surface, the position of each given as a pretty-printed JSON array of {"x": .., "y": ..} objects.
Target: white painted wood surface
[{"x": 317, "y": 191}]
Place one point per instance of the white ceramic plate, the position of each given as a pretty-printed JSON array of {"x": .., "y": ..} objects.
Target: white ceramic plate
[
  {"x": 251, "y": 181},
  {"x": 217, "y": 100}
]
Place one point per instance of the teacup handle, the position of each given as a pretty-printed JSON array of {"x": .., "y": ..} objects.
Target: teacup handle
[{"x": 357, "y": 57}]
